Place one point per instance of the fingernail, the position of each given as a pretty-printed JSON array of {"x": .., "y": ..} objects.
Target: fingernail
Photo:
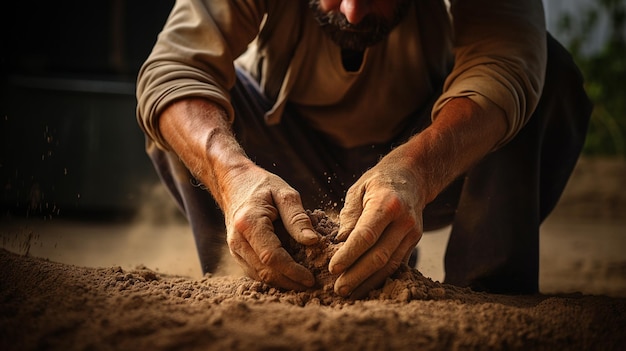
[
  {"x": 309, "y": 235},
  {"x": 344, "y": 290},
  {"x": 336, "y": 269},
  {"x": 309, "y": 282},
  {"x": 341, "y": 236}
]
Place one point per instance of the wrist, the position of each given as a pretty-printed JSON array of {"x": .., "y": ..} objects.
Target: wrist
[
  {"x": 461, "y": 135},
  {"x": 198, "y": 131}
]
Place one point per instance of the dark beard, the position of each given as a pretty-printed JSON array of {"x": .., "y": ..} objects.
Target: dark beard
[{"x": 368, "y": 32}]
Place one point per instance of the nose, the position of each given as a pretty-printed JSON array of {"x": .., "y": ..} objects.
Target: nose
[{"x": 354, "y": 10}]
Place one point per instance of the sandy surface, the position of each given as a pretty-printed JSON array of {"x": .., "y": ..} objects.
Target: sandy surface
[{"x": 47, "y": 304}]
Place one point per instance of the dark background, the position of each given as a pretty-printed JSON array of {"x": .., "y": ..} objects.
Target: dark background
[{"x": 69, "y": 140}]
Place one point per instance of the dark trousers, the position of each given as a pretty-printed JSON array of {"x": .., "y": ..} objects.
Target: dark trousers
[{"x": 495, "y": 209}]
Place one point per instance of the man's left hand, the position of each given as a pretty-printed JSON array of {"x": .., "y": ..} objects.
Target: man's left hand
[{"x": 381, "y": 222}]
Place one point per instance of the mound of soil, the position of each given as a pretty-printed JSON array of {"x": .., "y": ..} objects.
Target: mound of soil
[
  {"x": 46, "y": 305},
  {"x": 54, "y": 306},
  {"x": 316, "y": 258}
]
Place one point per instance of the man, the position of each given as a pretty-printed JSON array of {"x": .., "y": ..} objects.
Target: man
[{"x": 402, "y": 115}]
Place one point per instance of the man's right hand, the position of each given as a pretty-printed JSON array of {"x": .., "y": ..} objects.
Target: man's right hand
[
  {"x": 257, "y": 198},
  {"x": 251, "y": 198}
]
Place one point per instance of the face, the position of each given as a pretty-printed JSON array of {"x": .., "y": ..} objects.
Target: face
[{"x": 357, "y": 24}]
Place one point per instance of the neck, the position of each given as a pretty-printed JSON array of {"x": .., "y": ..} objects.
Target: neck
[{"x": 351, "y": 59}]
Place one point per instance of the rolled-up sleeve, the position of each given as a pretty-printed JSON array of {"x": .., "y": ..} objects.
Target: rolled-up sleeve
[
  {"x": 500, "y": 57},
  {"x": 193, "y": 57}
]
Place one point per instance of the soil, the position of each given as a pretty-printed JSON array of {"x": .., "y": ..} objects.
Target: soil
[
  {"x": 316, "y": 257},
  {"x": 50, "y": 305}
]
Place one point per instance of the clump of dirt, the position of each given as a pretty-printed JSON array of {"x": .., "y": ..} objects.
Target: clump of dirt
[
  {"x": 316, "y": 257},
  {"x": 405, "y": 285}
]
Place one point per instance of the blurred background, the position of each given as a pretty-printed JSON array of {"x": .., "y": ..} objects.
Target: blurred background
[
  {"x": 70, "y": 142},
  {"x": 78, "y": 188}
]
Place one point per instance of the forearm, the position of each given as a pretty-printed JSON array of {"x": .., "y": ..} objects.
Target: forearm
[
  {"x": 500, "y": 57},
  {"x": 250, "y": 197},
  {"x": 198, "y": 131},
  {"x": 462, "y": 134},
  {"x": 381, "y": 221}
]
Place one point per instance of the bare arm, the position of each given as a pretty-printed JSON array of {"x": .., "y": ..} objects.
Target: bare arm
[
  {"x": 251, "y": 198},
  {"x": 462, "y": 134}
]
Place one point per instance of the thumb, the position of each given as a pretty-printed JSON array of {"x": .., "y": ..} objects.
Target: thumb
[
  {"x": 350, "y": 213},
  {"x": 298, "y": 224}
]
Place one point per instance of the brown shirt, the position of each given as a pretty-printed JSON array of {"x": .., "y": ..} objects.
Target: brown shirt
[{"x": 499, "y": 52}]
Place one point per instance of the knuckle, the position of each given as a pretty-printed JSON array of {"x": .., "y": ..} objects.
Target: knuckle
[
  {"x": 265, "y": 275},
  {"x": 235, "y": 244},
  {"x": 267, "y": 257},
  {"x": 289, "y": 195},
  {"x": 348, "y": 214},
  {"x": 246, "y": 223},
  {"x": 411, "y": 223},
  {"x": 353, "y": 191},
  {"x": 394, "y": 203},
  {"x": 380, "y": 258},
  {"x": 415, "y": 234},
  {"x": 392, "y": 266},
  {"x": 299, "y": 219},
  {"x": 368, "y": 236},
  {"x": 242, "y": 222},
  {"x": 234, "y": 253}
]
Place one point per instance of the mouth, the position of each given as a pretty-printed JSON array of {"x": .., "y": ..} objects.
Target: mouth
[
  {"x": 369, "y": 31},
  {"x": 353, "y": 30}
]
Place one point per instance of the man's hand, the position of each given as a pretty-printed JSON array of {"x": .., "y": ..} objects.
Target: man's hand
[
  {"x": 250, "y": 197},
  {"x": 381, "y": 222},
  {"x": 256, "y": 199}
]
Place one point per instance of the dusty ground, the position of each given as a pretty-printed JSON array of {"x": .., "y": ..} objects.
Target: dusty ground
[{"x": 45, "y": 304}]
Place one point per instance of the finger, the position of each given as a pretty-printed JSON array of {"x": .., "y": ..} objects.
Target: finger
[
  {"x": 256, "y": 269},
  {"x": 367, "y": 232},
  {"x": 378, "y": 278},
  {"x": 407, "y": 256},
  {"x": 294, "y": 218},
  {"x": 270, "y": 253},
  {"x": 351, "y": 212},
  {"x": 247, "y": 269},
  {"x": 384, "y": 252}
]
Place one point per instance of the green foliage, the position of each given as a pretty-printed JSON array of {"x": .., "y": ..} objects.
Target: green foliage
[{"x": 604, "y": 72}]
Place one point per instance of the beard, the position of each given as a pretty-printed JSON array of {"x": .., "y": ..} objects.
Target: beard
[{"x": 358, "y": 37}]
